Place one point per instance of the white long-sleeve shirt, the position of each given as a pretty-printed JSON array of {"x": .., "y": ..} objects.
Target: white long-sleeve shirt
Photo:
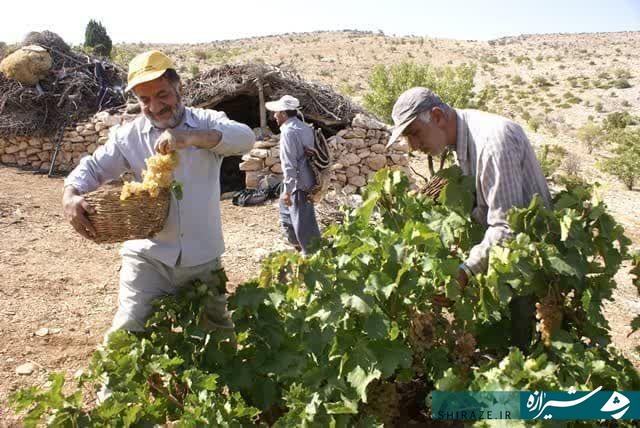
[
  {"x": 498, "y": 154},
  {"x": 193, "y": 230}
]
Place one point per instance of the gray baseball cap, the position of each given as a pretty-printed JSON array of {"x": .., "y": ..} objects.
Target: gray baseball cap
[{"x": 409, "y": 105}]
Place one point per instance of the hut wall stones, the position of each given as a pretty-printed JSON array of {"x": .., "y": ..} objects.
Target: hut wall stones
[
  {"x": 80, "y": 140},
  {"x": 358, "y": 152}
]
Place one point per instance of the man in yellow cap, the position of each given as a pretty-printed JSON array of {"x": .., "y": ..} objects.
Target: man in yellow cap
[{"x": 191, "y": 243}]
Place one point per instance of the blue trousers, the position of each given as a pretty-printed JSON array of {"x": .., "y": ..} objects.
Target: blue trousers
[{"x": 299, "y": 223}]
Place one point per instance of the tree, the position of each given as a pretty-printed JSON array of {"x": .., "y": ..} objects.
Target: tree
[
  {"x": 590, "y": 135},
  {"x": 96, "y": 38},
  {"x": 454, "y": 85},
  {"x": 625, "y": 165}
]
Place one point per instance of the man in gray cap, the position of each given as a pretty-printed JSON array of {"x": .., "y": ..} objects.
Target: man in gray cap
[
  {"x": 492, "y": 149},
  {"x": 297, "y": 213}
]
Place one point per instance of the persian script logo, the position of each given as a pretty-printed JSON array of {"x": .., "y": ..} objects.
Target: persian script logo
[{"x": 549, "y": 405}]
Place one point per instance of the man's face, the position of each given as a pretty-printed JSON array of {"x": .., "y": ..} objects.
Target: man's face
[
  {"x": 429, "y": 138},
  {"x": 280, "y": 117},
  {"x": 160, "y": 102}
]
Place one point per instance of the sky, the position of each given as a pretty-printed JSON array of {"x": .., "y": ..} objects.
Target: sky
[{"x": 198, "y": 21}]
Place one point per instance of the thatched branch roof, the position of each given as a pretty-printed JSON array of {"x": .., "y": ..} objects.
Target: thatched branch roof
[{"x": 319, "y": 103}]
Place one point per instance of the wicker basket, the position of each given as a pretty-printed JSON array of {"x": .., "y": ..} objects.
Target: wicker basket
[{"x": 138, "y": 217}]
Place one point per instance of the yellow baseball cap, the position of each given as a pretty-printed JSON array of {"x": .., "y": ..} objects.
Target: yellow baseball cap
[{"x": 147, "y": 66}]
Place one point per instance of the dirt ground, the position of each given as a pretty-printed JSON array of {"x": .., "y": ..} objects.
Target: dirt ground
[{"x": 52, "y": 278}]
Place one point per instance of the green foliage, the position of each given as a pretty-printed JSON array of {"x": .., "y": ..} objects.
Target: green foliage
[
  {"x": 591, "y": 135},
  {"x": 201, "y": 54},
  {"x": 177, "y": 189},
  {"x": 454, "y": 85},
  {"x": 522, "y": 59},
  {"x": 534, "y": 123},
  {"x": 541, "y": 81},
  {"x": 621, "y": 84},
  {"x": 217, "y": 55},
  {"x": 123, "y": 54},
  {"x": 617, "y": 120},
  {"x": 377, "y": 304},
  {"x": 96, "y": 38},
  {"x": 622, "y": 73},
  {"x": 599, "y": 107},
  {"x": 550, "y": 157},
  {"x": 348, "y": 89},
  {"x": 517, "y": 80},
  {"x": 625, "y": 164},
  {"x": 491, "y": 59},
  {"x": 194, "y": 70}
]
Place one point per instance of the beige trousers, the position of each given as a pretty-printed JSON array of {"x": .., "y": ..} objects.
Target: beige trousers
[{"x": 143, "y": 279}]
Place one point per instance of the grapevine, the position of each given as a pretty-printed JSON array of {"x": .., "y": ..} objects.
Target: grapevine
[{"x": 332, "y": 339}]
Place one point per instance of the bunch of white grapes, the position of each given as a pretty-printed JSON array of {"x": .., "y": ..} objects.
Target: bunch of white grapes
[{"x": 158, "y": 175}]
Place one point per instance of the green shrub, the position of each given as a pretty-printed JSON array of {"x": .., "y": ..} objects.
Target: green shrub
[
  {"x": 617, "y": 120},
  {"x": 97, "y": 39},
  {"x": 590, "y": 135},
  {"x": 550, "y": 157},
  {"x": 599, "y": 107},
  {"x": 195, "y": 70},
  {"x": 122, "y": 54},
  {"x": 347, "y": 89},
  {"x": 621, "y": 84},
  {"x": 517, "y": 80},
  {"x": 491, "y": 59},
  {"x": 622, "y": 73},
  {"x": 454, "y": 85},
  {"x": 541, "y": 81},
  {"x": 534, "y": 123},
  {"x": 625, "y": 164},
  {"x": 201, "y": 54}
]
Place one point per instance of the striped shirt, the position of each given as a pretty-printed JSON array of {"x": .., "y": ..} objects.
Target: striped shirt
[
  {"x": 498, "y": 154},
  {"x": 192, "y": 233}
]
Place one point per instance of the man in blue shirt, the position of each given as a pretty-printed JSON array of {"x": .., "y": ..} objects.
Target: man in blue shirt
[{"x": 297, "y": 214}]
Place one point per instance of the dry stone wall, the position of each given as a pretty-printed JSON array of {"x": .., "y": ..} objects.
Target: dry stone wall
[
  {"x": 358, "y": 152},
  {"x": 77, "y": 141}
]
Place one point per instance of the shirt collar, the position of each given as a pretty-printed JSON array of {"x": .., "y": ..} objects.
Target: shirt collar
[
  {"x": 288, "y": 122},
  {"x": 462, "y": 136},
  {"x": 187, "y": 120}
]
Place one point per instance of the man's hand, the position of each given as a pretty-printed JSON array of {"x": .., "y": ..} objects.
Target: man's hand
[
  {"x": 462, "y": 278},
  {"x": 170, "y": 141},
  {"x": 286, "y": 198},
  {"x": 173, "y": 139},
  {"x": 75, "y": 211}
]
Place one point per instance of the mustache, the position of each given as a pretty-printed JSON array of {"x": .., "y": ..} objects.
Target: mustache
[{"x": 163, "y": 111}]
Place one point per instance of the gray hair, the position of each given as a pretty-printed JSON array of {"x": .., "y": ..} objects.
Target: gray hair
[{"x": 425, "y": 115}]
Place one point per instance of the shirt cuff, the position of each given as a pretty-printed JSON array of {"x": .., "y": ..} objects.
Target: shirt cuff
[{"x": 467, "y": 270}]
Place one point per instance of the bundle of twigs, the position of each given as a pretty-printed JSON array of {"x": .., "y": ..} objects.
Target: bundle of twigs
[{"x": 77, "y": 86}]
